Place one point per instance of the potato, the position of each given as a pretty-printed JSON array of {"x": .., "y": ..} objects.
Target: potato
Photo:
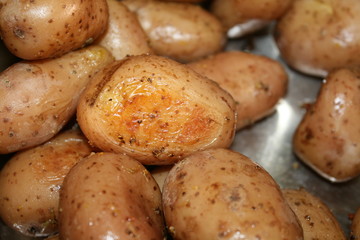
[
  {"x": 316, "y": 219},
  {"x": 328, "y": 137},
  {"x": 39, "y": 97},
  {"x": 184, "y": 32},
  {"x": 315, "y": 37},
  {"x": 355, "y": 226},
  {"x": 31, "y": 179},
  {"x": 44, "y": 29},
  {"x": 124, "y": 34},
  {"x": 155, "y": 110},
  {"x": 257, "y": 83},
  {"x": 221, "y": 194},
  {"x": 110, "y": 196}
]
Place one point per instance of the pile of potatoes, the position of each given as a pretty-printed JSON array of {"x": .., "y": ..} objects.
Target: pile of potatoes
[{"x": 118, "y": 117}]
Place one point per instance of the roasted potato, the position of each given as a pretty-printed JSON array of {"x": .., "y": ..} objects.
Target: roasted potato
[{"x": 355, "y": 226}]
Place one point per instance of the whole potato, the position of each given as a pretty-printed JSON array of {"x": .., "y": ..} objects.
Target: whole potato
[
  {"x": 316, "y": 219},
  {"x": 355, "y": 226},
  {"x": 221, "y": 194},
  {"x": 155, "y": 110},
  {"x": 181, "y": 31},
  {"x": 110, "y": 196},
  {"x": 328, "y": 137},
  {"x": 315, "y": 37},
  {"x": 257, "y": 83},
  {"x": 39, "y": 97},
  {"x": 30, "y": 182},
  {"x": 44, "y": 29}
]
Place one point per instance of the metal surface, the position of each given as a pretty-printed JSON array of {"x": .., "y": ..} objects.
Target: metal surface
[{"x": 268, "y": 142}]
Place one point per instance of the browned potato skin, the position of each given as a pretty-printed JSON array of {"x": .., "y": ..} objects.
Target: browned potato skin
[
  {"x": 181, "y": 31},
  {"x": 355, "y": 226},
  {"x": 232, "y": 12},
  {"x": 315, "y": 37},
  {"x": 124, "y": 35},
  {"x": 49, "y": 28},
  {"x": 327, "y": 139},
  {"x": 155, "y": 110},
  {"x": 316, "y": 219},
  {"x": 110, "y": 196},
  {"x": 31, "y": 180},
  {"x": 221, "y": 194},
  {"x": 257, "y": 83},
  {"x": 39, "y": 97}
]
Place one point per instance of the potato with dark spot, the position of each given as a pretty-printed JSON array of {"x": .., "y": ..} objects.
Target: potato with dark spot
[
  {"x": 110, "y": 196},
  {"x": 355, "y": 226},
  {"x": 316, "y": 219},
  {"x": 31, "y": 180},
  {"x": 221, "y": 194},
  {"x": 44, "y": 29},
  {"x": 328, "y": 137},
  {"x": 39, "y": 97},
  {"x": 155, "y": 110}
]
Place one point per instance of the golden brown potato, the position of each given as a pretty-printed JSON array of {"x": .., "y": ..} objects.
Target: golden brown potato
[
  {"x": 221, "y": 194},
  {"x": 184, "y": 32},
  {"x": 355, "y": 226},
  {"x": 155, "y": 110},
  {"x": 315, "y": 37},
  {"x": 316, "y": 219},
  {"x": 44, "y": 29},
  {"x": 39, "y": 97},
  {"x": 328, "y": 137},
  {"x": 124, "y": 35},
  {"x": 31, "y": 180},
  {"x": 110, "y": 196},
  {"x": 256, "y": 82}
]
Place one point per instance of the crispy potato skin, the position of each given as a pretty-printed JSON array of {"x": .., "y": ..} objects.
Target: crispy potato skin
[
  {"x": 355, "y": 226},
  {"x": 257, "y": 83},
  {"x": 221, "y": 194},
  {"x": 39, "y": 97},
  {"x": 49, "y": 28},
  {"x": 156, "y": 110},
  {"x": 315, "y": 37},
  {"x": 110, "y": 196},
  {"x": 316, "y": 219},
  {"x": 31, "y": 180},
  {"x": 328, "y": 137}
]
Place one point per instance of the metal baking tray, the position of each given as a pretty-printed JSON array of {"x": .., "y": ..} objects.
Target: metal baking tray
[{"x": 268, "y": 141}]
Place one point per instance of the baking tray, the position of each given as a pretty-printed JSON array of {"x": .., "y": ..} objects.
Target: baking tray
[{"x": 268, "y": 142}]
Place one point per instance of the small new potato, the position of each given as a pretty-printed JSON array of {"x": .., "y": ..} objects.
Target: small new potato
[
  {"x": 31, "y": 180},
  {"x": 221, "y": 194},
  {"x": 39, "y": 97},
  {"x": 316, "y": 219},
  {"x": 110, "y": 196},
  {"x": 355, "y": 226},
  {"x": 257, "y": 83},
  {"x": 155, "y": 110}
]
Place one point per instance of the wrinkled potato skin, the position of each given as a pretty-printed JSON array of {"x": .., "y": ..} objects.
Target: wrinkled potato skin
[
  {"x": 124, "y": 34},
  {"x": 39, "y": 97},
  {"x": 328, "y": 137},
  {"x": 110, "y": 196},
  {"x": 220, "y": 194},
  {"x": 256, "y": 83},
  {"x": 155, "y": 110},
  {"x": 315, "y": 37},
  {"x": 183, "y": 32},
  {"x": 316, "y": 219},
  {"x": 355, "y": 226},
  {"x": 232, "y": 12},
  {"x": 50, "y": 28},
  {"x": 30, "y": 183}
]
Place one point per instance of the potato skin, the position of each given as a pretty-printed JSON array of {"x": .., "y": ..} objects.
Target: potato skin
[
  {"x": 315, "y": 217},
  {"x": 155, "y": 110},
  {"x": 39, "y": 97},
  {"x": 256, "y": 83},
  {"x": 221, "y": 194},
  {"x": 327, "y": 139},
  {"x": 316, "y": 37},
  {"x": 355, "y": 226},
  {"x": 49, "y": 28},
  {"x": 31, "y": 180},
  {"x": 109, "y": 195}
]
